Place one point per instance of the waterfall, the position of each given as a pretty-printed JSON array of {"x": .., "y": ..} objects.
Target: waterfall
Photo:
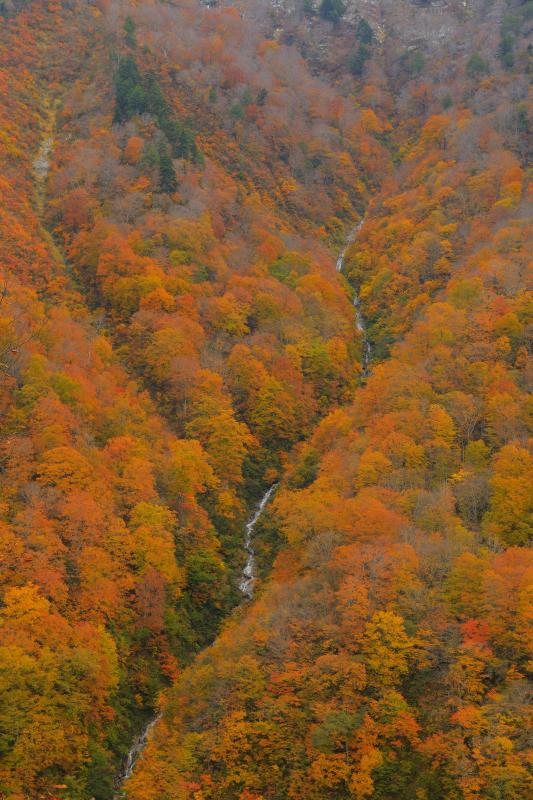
[
  {"x": 359, "y": 319},
  {"x": 248, "y": 576},
  {"x": 246, "y": 586},
  {"x": 134, "y": 752},
  {"x": 41, "y": 165}
]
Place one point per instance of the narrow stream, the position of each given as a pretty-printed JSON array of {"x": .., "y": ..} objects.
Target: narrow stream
[
  {"x": 41, "y": 165},
  {"x": 359, "y": 319},
  {"x": 135, "y": 751},
  {"x": 246, "y": 586},
  {"x": 248, "y": 576},
  {"x": 41, "y": 168},
  {"x": 42, "y": 161}
]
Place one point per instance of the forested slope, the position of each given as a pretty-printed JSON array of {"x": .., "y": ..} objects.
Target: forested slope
[
  {"x": 175, "y": 338},
  {"x": 171, "y": 325},
  {"x": 388, "y": 655}
]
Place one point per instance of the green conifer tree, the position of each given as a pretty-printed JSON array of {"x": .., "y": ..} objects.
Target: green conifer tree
[{"x": 168, "y": 182}]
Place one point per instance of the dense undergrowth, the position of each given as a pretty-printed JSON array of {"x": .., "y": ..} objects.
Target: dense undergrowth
[{"x": 174, "y": 337}]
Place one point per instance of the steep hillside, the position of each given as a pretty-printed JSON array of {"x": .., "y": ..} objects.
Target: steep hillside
[
  {"x": 152, "y": 231},
  {"x": 177, "y": 183},
  {"x": 388, "y": 656},
  {"x": 107, "y": 553}
]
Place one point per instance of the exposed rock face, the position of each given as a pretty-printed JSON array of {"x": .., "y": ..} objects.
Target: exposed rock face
[{"x": 410, "y": 23}]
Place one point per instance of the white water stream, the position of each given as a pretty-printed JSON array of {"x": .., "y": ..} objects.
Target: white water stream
[
  {"x": 246, "y": 586},
  {"x": 248, "y": 575},
  {"x": 41, "y": 165},
  {"x": 359, "y": 319},
  {"x": 135, "y": 751}
]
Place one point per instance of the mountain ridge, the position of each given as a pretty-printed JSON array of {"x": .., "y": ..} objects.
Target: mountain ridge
[{"x": 175, "y": 339}]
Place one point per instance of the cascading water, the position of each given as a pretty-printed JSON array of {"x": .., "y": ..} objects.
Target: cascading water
[
  {"x": 246, "y": 586},
  {"x": 135, "y": 751},
  {"x": 359, "y": 319},
  {"x": 41, "y": 165},
  {"x": 248, "y": 576}
]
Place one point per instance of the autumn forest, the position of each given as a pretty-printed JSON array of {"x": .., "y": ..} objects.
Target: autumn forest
[{"x": 266, "y": 464}]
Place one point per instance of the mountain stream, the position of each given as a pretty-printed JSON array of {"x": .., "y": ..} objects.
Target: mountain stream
[
  {"x": 248, "y": 576},
  {"x": 359, "y": 319}
]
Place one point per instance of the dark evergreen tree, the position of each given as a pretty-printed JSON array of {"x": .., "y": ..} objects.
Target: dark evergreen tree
[
  {"x": 168, "y": 182},
  {"x": 130, "y": 97},
  {"x": 506, "y": 50},
  {"x": 358, "y": 60},
  {"x": 155, "y": 100},
  {"x": 129, "y": 32},
  {"x": 137, "y": 94},
  {"x": 364, "y": 32},
  {"x": 332, "y": 10},
  {"x": 187, "y": 144},
  {"x": 476, "y": 66}
]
